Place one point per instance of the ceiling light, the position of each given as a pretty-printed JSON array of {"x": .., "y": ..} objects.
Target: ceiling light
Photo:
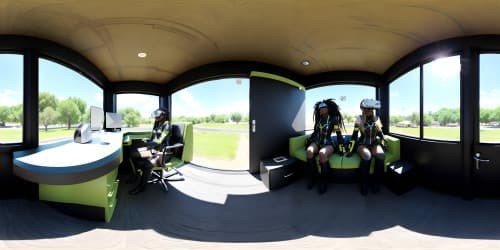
[
  {"x": 306, "y": 63},
  {"x": 142, "y": 54}
]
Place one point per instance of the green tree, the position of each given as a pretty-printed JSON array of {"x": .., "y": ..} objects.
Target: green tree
[
  {"x": 81, "y": 104},
  {"x": 496, "y": 114},
  {"x": 69, "y": 112},
  {"x": 47, "y": 99},
  {"x": 445, "y": 116},
  {"x": 48, "y": 116},
  {"x": 4, "y": 115},
  {"x": 347, "y": 117},
  {"x": 236, "y": 117},
  {"x": 395, "y": 119},
  {"x": 221, "y": 118},
  {"x": 212, "y": 117},
  {"x": 428, "y": 120},
  {"x": 486, "y": 115},
  {"x": 414, "y": 118},
  {"x": 17, "y": 114},
  {"x": 131, "y": 117}
]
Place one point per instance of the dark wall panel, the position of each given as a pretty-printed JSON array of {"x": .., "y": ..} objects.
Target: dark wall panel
[
  {"x": 12, "y": 186},
  {"x": 279, "y": 111},
  {"x": 439, "y": 164}
]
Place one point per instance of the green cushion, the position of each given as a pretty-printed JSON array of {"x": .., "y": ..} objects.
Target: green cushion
[
  {"x": 335, "y": 161},
  {"x": 299, "y": 154},
  {"x": 351, "y": 162}
]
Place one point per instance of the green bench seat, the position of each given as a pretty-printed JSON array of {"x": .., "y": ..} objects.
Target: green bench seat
[{"x": 297, "y": 150}]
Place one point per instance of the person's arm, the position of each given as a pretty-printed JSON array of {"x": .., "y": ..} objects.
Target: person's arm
[
  {"x": 382, "y": 140},
  {"x": 354, "y": 138},
  {"x": 340, "y": 138}
]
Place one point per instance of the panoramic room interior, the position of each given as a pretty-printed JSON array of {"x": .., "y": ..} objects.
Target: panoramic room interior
[{"x": 237, "y": 82}]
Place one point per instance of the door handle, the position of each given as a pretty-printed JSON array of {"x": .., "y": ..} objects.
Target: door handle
[
  {"x": 477, "y": 160},
  {"x": 253, "y": 126}
]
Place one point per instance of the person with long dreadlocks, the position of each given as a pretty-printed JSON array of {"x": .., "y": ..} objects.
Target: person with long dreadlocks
[
  {"x": 327, "y": 118},
  {"x": 368, "y": 146}
]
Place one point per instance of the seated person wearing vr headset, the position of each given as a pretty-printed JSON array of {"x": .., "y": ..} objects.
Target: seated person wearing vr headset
[
  {"x": 368, "y": 146},
  {"x": 327, "y": 118},
  {"x": 149, "y": 153}
]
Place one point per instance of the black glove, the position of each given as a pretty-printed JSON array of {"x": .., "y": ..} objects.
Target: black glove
[
  {"x": 383, "y": 145},
  {"x": 341, "y": 150}
]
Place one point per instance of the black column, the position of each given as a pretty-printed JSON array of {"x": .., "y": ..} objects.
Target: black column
[
  {"x": 30, "y": 99},
  {"x": 469, "y": 92}
]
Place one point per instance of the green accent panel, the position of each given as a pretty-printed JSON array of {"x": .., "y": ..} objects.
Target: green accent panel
[
  {"x": 129, "y": 136},
  {"x": 351, "y": 162},
  {"x": 187, "y": 151},
  {"x": 393, "y": 146},
  {"x": 296, "y": 147},
  {"x": 277, "y": 78},
  {"x": 100, "y": 192}
]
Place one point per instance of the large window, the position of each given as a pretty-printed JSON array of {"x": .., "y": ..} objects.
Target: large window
[
  {"x": 11, "y": 98},
  {"x": 442, "y": 99},
  {"x": 219, "y": 111},
  {"x": 404, "y": 107},
  {"x": 347, "y": 96},
  {"x": 489, "y": 98},
  {"x": 65, "y": 98},
  {"x": 136, "y": 110}
]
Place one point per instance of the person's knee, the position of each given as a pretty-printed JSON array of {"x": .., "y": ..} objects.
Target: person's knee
[
  {"x": 323, "y": 156},
  {"x": 365, "y": 155},
  {"x": 380, "y": 156}
]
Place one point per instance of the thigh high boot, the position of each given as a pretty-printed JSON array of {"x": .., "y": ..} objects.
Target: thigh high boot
[
  {"x": 323, "y": 178},
  {"x": 377, "y": 175},
  {"x": 147, "y": 169},
  {"x": 311, "y": 173},
  {"x": 364, "y": 172}
]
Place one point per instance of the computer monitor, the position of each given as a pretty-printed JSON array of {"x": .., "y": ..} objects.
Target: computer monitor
[
  {"x": 113, "y": 121},
  {"x": 96, "y": 118}
]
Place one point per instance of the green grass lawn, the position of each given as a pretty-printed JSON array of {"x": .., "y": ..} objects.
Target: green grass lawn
[
  {"x": 241, "y": 125},
  {"x": 215, "y": 144},
  {"x": 15, "y": 135},
  {"x": 53, "y": 134},
  {"x": 486, "y": 135}
]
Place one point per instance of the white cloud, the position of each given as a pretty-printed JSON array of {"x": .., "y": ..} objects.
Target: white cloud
[
  {"x": 238, "y": 106},
  {"x": 145, "y": 104},
  {"x": 187, "y": 105},
  {"x": 9, "y": 97}
]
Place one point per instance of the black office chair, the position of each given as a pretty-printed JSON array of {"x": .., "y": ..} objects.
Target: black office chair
[{"x": 171, "y": 158}]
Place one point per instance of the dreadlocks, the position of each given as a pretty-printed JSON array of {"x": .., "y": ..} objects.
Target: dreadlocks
[{"x": 333, "y": 111}]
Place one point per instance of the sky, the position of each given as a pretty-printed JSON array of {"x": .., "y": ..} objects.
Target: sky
[
  {"x": 441, "y": 89},
  {"x": 64, "y": 82}
]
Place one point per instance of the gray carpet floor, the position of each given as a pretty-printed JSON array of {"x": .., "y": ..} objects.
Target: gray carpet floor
[{"x": 233, "y": 210}]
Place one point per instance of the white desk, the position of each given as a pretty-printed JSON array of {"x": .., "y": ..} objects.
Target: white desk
[
  {"x": 81, "y": 178},
  {"x": 68, "y": 162}
]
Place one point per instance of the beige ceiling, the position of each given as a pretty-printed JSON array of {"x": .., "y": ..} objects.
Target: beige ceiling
[{"x": 183, "y": 34}]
